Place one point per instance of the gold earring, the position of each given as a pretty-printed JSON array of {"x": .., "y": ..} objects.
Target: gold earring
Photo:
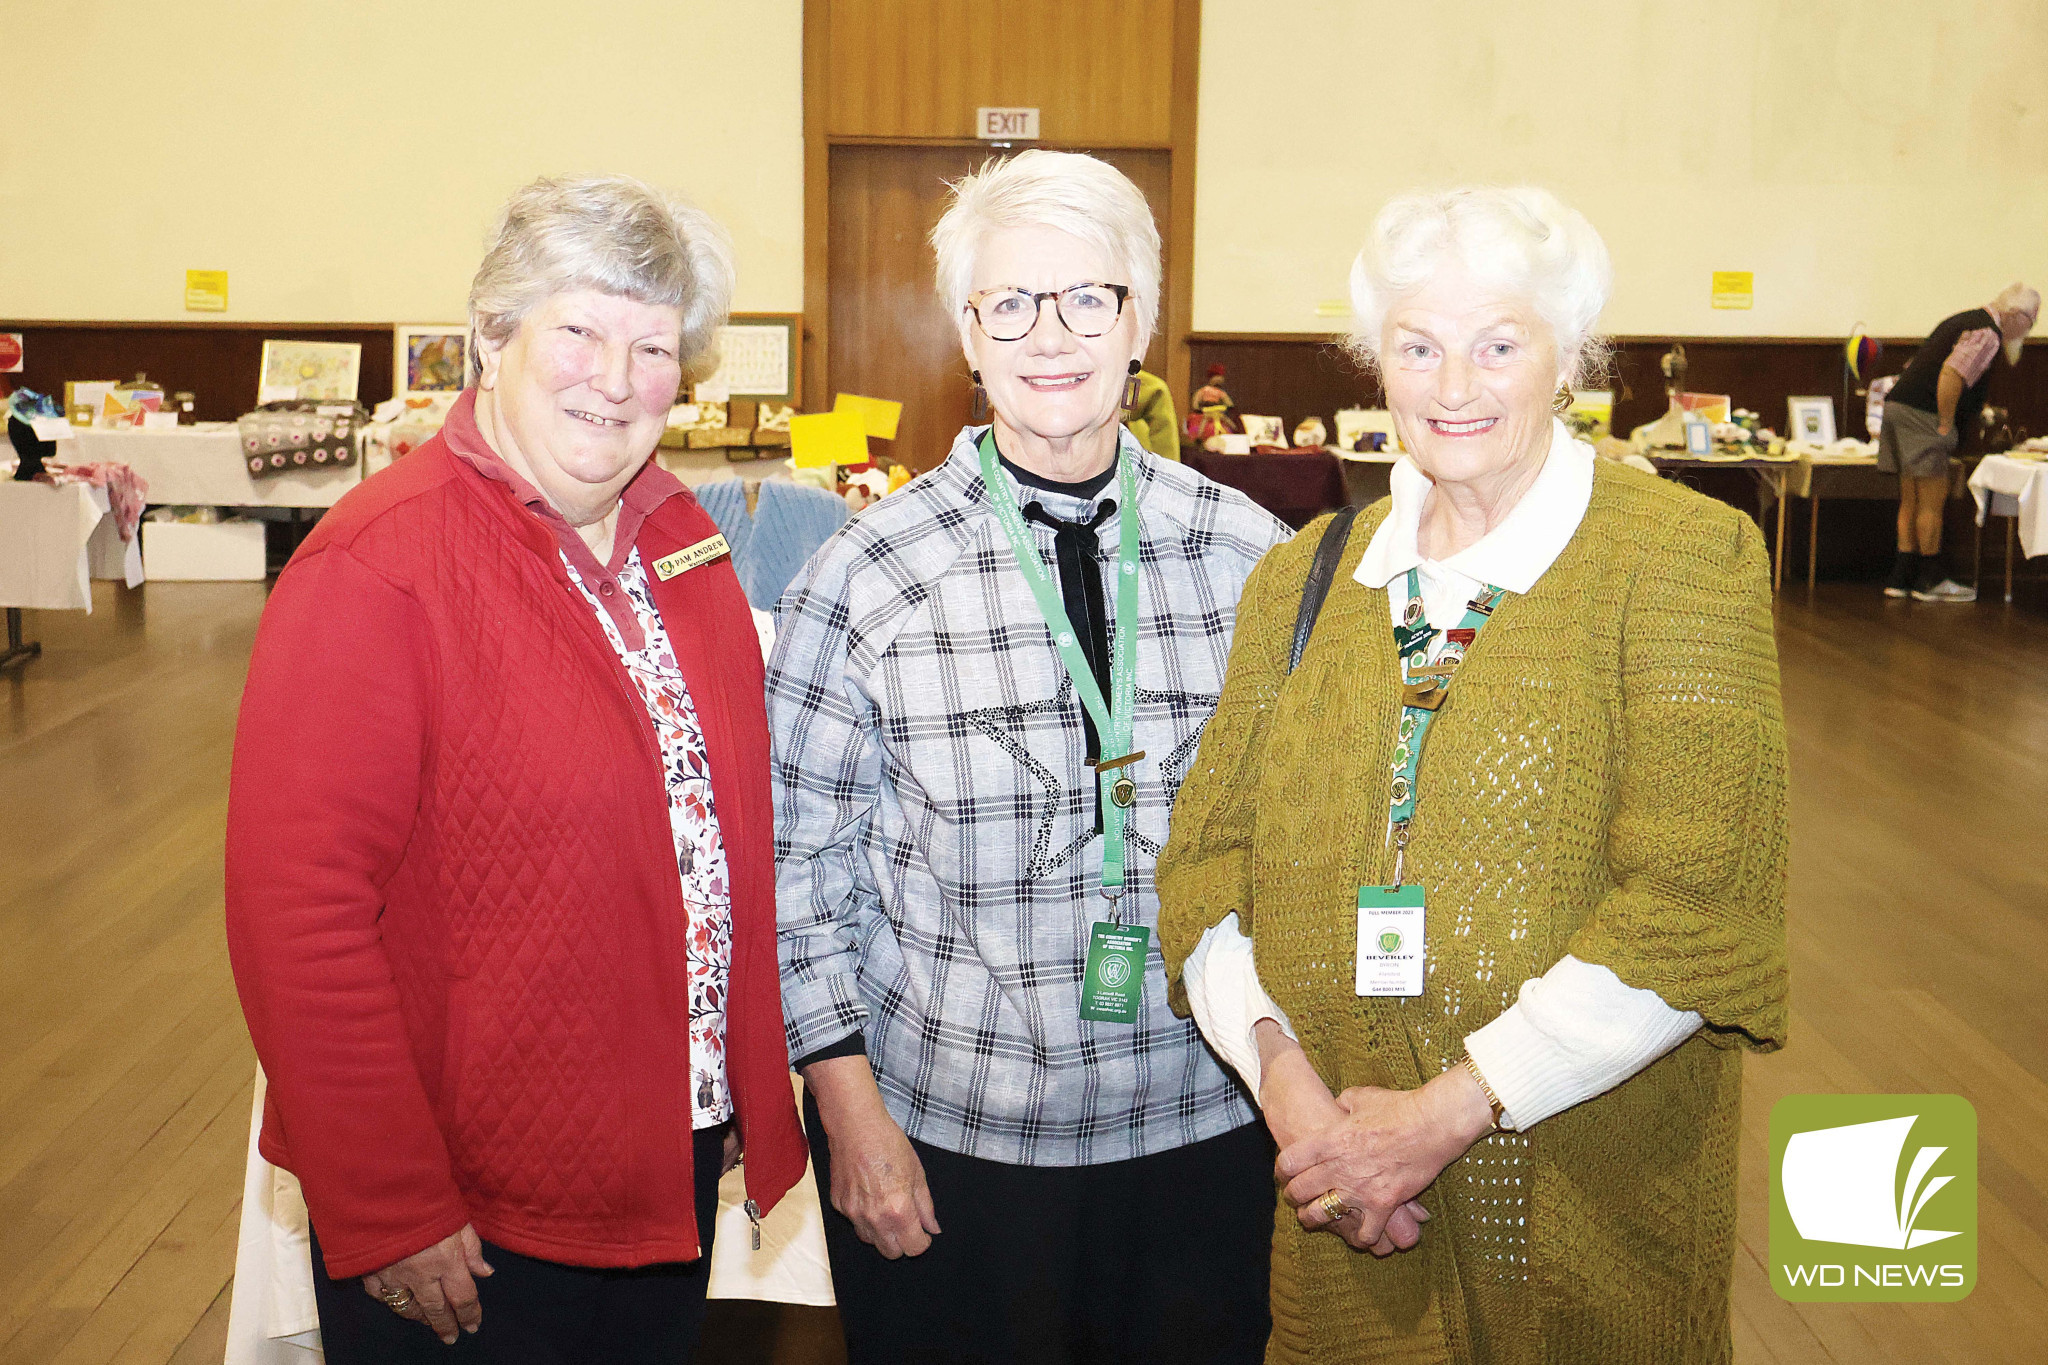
[{"x": 1562, "y": 403}]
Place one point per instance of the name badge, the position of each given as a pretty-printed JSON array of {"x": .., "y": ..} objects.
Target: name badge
[
  {"x": 1113, "y": 983},
  {"x": 703, "y": 552},
  {"x": 1391, "y": 940}
]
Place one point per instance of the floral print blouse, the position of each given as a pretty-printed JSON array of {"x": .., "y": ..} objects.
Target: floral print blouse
[{"x": 700, "y": 847}]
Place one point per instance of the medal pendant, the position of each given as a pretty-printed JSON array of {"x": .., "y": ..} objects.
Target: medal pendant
[
  {"x": 1424, "y": 696},
  {"x": 1124, "y": 792}
]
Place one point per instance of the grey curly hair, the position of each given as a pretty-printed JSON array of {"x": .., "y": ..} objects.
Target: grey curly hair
[{"x": 610, "y": 233}]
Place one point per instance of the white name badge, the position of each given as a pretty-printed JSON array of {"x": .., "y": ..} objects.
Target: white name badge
[{"x": 1391, "y": 940}]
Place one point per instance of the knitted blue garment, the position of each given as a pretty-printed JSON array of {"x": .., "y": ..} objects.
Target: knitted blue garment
[
  {"x": 791, "y": 521},
  {"x": 726, "y": 501}
]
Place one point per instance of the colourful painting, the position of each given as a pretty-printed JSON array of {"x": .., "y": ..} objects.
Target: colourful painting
[{"x": 430, "y": 359}]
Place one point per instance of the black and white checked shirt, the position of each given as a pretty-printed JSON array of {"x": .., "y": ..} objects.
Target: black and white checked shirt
[{"x": 938, "y": 869}]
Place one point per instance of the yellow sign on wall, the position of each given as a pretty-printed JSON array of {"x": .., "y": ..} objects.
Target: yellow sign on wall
[
  {"x": 206, "y": 291},
  {"x": 1734, "y": 289}
]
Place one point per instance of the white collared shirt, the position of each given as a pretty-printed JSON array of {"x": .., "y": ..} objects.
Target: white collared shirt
[{"x": 1576, "y": 1031}]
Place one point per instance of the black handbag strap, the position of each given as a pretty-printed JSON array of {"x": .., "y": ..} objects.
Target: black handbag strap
[{"x": 1335, "y": 536}]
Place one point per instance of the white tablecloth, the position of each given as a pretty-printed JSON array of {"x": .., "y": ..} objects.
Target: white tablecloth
[
  {"x": 2025, "y": 484},
  {"x": 272, "y": 1319},
  {"x": 54, "y": 541},
  {"x": 201, "y": 466}
]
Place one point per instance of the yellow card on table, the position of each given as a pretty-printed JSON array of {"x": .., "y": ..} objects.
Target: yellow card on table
[
  {"x": 878, "y": 415},
  {"x": 206, "y": 291},
  {"x": 818, "y": 440},
  {"x": 703, "y": 552}
]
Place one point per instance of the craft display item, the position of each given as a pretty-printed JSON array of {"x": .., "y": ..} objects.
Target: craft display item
[
  {"x": 293, "y": 437},
  {"x": 1311, "y": 432},
  {"x": 773, "y": 416},
  {"x": 716, "y": 438},
  {"x": 1265, "y": 431}
]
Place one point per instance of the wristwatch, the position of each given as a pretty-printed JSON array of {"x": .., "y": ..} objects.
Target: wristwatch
[{"x": 1493, "y": 1100}]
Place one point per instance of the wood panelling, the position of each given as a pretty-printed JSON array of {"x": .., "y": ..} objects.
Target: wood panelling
[
  {"x": 1106, "y": 76},
  {"x": 1098, "y": 71},
  {"x": 217, "y": 362},
  {"x": 891, "y": 337}
]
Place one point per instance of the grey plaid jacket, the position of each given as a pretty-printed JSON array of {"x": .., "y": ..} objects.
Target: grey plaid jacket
[{"x": 938, "y": 869}]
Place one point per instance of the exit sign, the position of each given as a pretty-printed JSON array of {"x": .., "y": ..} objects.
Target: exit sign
[{"x": 1005, "y": 124}]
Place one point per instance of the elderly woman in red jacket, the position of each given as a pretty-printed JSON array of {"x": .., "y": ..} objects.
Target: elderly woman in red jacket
[{"x": 499, "y": 885}]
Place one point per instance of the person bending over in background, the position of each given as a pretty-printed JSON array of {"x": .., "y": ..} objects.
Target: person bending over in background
[{"x": 1936, "y": 399}]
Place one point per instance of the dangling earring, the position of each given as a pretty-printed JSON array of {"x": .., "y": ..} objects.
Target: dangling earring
[
  {"x": 980, "y": 413},
  {"x": 1131, "y": 389},
  {"x": 1562, "y": 404}
]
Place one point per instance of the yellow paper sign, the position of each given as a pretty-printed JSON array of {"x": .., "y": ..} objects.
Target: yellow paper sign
[
  {"x": 819, "y": 440},
  {"x": 878, "y": 415},
  {"x": 1734, "y": 289},
  {"x": 703, "y": 552},
  {"x": 206, "y": 291}
]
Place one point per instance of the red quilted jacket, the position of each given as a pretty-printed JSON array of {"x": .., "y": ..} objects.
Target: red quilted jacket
[{"x": 452, "y": 900}]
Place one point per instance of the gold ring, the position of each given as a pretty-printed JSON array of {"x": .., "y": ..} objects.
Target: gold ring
[
  {"x": 397, "y": 1300},
  {"x": 1333, "y": 1206}
]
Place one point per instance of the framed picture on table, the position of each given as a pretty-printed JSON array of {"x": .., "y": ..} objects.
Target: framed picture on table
[
  {"x": 429, "y": 358},
  {"x": 1811, "y": 420},
  {"x": 325, "y": 371}
]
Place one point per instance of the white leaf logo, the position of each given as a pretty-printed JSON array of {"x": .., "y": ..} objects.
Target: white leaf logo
[{"x": 1839, "y": 1185}]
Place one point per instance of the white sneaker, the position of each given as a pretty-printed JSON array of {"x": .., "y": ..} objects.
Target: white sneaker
[{"x": 1947, "y": 590}]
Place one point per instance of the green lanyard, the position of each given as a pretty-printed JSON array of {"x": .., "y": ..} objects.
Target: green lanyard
[
  {"x": 1112, "y": 722},
  {"x": 1424, "y": 688}
]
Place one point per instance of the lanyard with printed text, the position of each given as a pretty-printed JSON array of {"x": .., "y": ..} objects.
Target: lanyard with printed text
[
  {"x": 1113, "y": 716},
  {"x": 1424, "y": 686}
]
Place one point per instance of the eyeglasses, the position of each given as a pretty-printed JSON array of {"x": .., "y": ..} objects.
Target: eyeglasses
[{"x": 1086, "y": 310}]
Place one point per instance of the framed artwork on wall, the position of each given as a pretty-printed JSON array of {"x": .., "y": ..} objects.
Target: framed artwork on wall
[
  {"x": 326, "y": 371},
  {"x": 759, "y": 356},
  {"x": 429, "y": 358}
]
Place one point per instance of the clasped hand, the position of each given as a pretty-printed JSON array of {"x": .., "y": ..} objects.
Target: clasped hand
[{"x": 1378, "y": 1150}]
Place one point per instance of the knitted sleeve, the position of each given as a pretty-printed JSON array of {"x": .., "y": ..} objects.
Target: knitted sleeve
[
  {"x": 1697, "y": 843},
  {"x": 1206, "y": 871}
]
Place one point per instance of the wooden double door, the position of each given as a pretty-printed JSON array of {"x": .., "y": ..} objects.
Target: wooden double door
[{"x": 888, "y": 334}]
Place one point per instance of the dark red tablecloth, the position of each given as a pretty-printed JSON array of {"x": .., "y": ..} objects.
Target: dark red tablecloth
[{"x": 1297, "y": 488}]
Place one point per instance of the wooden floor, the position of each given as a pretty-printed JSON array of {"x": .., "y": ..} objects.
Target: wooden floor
[{"x": 1919, "y": 935}]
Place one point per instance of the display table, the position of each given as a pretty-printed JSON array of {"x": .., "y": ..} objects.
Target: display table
[
  {"x": 2013, "y": 486},
  {"x": 1849, "y": 477},
  {"x": 54, "y": 540},
  {"x": 202, "y": 466},
  {"x": 1296, "y": 487}
]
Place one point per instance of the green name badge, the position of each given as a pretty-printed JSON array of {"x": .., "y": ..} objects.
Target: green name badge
[{"x": 1113, "y": 986}]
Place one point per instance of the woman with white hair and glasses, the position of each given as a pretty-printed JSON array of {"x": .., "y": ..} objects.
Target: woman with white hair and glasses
[
  {"x": 500, "y": 891},
  {"x": 1479, "y": 876},
  {"x": 985, "y": 692}
]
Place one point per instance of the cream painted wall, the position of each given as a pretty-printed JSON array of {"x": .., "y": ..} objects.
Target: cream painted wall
[
  {"x": 1879, "y": 161},
  {"x": 342, "y": 161}
]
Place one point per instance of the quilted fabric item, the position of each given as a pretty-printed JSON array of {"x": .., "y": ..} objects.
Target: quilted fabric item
[
  {"x": 1607, "y": 780},
  {"x": 453, "y": 902},
  {"x": 287, "y": 438}
]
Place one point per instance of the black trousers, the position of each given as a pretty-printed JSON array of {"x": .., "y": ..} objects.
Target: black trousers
[
  {"x": 1159, "y": 1259},
  {"x": 540, "y": 1313}
]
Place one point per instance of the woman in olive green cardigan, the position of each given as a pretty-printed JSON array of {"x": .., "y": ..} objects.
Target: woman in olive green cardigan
[{"x": 1523, "y": 1098}]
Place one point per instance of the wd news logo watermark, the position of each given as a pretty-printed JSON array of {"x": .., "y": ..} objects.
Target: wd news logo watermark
[{"x": 1873, "y": 1198}]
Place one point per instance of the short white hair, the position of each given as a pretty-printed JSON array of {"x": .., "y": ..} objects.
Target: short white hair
[
  {"x": 1077, "y": 194},
  {"x": 1523, "y": 239},
  {"x": 2017, "y": 298},
  {"x": 613, "y": 234}
]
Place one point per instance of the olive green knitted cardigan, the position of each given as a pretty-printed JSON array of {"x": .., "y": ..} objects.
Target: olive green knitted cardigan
[{"x": 1606, "y": 780}]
